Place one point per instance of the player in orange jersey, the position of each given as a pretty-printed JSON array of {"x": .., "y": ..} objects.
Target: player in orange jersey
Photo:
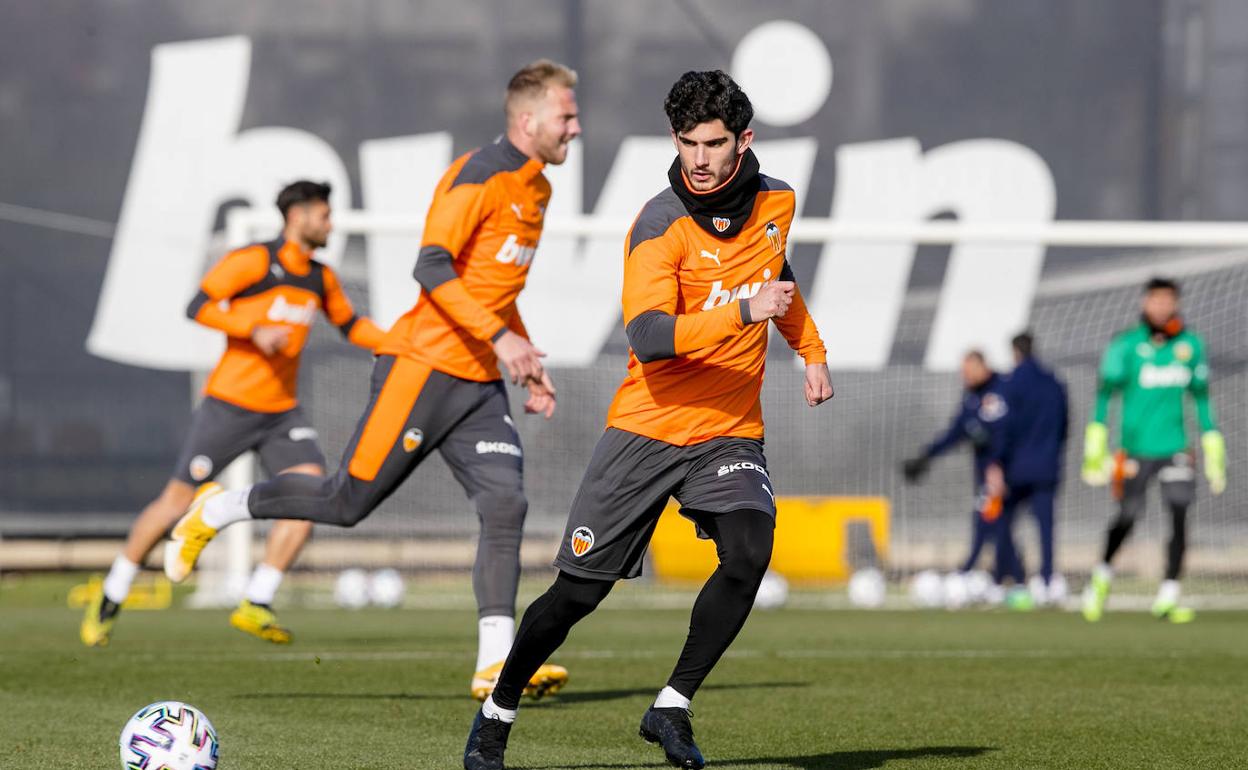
[
  {"x": 704, "y": 271},
  {"x": 264, "y": 298},
  {"x": 437, "y": 383}
]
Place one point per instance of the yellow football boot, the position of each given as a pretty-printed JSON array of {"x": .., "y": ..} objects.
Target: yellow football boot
[
  {"x": 190, "y": 535},
  {"x": 547, "y": 680},
  {"x": 97, "y": 619},
  {"x": 260, "y": 622}
]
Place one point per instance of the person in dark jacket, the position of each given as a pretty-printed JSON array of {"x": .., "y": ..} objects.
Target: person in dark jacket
[
  {"x": 979, "y": 416},
  {"x": 1026, "y": 455}
]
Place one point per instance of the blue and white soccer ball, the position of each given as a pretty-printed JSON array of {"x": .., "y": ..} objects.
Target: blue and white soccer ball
[{"x": 169, "y": 735}]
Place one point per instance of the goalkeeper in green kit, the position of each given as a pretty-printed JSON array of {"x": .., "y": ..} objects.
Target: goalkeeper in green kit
[{"x": 1155, "y": 365}]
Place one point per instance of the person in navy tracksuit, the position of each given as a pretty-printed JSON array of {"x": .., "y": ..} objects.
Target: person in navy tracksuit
[
  {"x": 978, "y": 418},
  {"x": 1026, "y": 454}
]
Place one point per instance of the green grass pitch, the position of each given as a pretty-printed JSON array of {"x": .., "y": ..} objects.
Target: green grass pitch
[{"x": 799, "y": 690}]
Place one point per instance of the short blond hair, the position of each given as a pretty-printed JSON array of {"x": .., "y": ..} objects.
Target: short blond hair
[{"x": 534, "y": 78}]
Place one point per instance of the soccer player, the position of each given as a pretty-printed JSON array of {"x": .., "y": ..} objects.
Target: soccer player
[
  {"x": 704, "y": 272},
  {"x": 1154, "y": 365},
  {"x": 1026, "y": 459},
  {"x": 264, "y": 298},
  {"x": 436, "y": 383},
  {"x": 978, "y": 417}
]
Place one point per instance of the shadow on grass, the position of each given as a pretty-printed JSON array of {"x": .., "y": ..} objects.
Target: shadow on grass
[
  {"x": 834, "y": 760},
  {"x": 575, "y": 696},
  {"x": 347, "y": 696},
  {"x": 592, "y": 696}
]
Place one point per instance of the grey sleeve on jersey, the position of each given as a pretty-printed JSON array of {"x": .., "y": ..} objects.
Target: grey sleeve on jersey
[
  {"x": 434, "y": 267},
  {"x": 652, "y": 336}
]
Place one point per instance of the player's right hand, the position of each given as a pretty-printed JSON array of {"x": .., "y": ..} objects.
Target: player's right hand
[
  {"x": 541, "y": 397},
  {"x": 915, "y": 468},
  {"x": 771, "y": 301},
  {"x": 520, "y": 358},
  {"x": 270, "y": 338},
  {"x": 1097, "y": 467}
]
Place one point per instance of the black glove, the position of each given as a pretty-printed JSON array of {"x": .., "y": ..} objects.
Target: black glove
[{"x": 914, "y": 468}]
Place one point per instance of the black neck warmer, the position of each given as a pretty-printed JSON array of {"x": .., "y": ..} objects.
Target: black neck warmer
[{"x": 722, "y": 212}]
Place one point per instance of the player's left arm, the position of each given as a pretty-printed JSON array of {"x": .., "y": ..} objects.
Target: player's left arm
[
  {"x": 798, "y": 328},
  {"x": 358, "y": 330},
  {"x": 1212, "y": 444}
]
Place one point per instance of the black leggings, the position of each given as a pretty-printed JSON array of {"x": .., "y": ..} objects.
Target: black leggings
[{"x": 743, "y": 540}]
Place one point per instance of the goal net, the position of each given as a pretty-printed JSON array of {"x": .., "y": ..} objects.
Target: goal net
[{"x": 850, "y": 448}]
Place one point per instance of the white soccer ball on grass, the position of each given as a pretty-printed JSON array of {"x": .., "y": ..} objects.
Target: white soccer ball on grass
[
  {"x": 867, "y": 588},
  {"x": 927, "y": 590},
  {"x": 351, "y": 589},
  {"x": 773, "y": 592},
  {"x": 168, "y": 735},
  {"x": 385, "y": 588}
]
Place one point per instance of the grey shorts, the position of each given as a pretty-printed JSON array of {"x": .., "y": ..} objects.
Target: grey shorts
[
  {"x": 1175, "y": 475},
  {"x": 628, "y": 483},
  {"x": 221, "y": 431}
]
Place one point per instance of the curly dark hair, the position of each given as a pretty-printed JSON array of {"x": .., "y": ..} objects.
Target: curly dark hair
[
  {"x": 700, "y": 97},
  {"x": 302, "y": 191}
]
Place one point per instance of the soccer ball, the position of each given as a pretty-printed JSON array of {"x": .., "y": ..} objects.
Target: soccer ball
[
  {"x": 956, "y": 593},
  {"x": 168, "y": 735},
  {"x": 773, "y": 592},
  {"x": 978, "y": 586},
  {"x": 927, "y": 589},
  {"x": 385, "y": 588},
  {"x": 867, "y": 588},
  {"x": 351, "y": 589}
]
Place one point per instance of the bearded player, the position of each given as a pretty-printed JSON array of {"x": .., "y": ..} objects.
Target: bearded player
[
  {"x": 437, "y": 382},
  {"x": 264, "y": 298},
  {"x": 704, "y": 272},
  {"x": 1156, "y": 365}
]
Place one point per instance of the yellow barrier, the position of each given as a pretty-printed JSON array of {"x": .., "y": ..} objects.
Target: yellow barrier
[{"x": 810, "y": 542}]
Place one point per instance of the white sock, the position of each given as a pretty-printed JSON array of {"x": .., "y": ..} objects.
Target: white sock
[
  {"x": 263, "y": 584},
  {"x": 120, "y": 576},
  {"x": 227, "y": 508},
  {"x": 669, "y": 698},
  {"x": 494, "y": 635},
  {"x": 491, "y": 711},
  {"x": 1103, "y": 571},
  {"x": 1168, "y": 592}
]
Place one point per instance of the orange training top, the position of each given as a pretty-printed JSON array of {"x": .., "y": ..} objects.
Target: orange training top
[
  {"x": 702, "y": 380},
  {"x": 274, "y": 283},
  {"x": 480, "y": 236}
]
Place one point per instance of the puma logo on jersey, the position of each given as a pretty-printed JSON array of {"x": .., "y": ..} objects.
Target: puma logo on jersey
[
  {"x": 516, "y": 207},
  {"x": 713, "y": 257},
  {"x": 512, "y": 252},
  {"x": 721, "y": 296},
  {"x": 282, "y": 311}
]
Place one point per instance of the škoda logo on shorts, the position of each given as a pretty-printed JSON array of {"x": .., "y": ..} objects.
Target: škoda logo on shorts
[{"x": 582, "y": 540}]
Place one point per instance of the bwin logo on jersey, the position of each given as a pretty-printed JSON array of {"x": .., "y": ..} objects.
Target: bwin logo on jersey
[
  {"x": 282, "y": 311},
  {"x": 724, "y": 470},
  {"x": 1172, "y": 376},
  {"x": 511, "y": 252},
  {"x": 498, "y": 447},
  {"x": 721, "y": 296}
]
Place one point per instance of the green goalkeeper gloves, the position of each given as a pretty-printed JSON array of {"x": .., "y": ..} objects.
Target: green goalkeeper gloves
[
  {"x": 1214, "y": 447},
  {"x": 1096, "y": 463}
]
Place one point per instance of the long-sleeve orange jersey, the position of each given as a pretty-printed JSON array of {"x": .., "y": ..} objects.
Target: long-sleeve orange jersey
[
  {"x": 480, "y": 236},
  {"x": 274, "y": 283},
  {"x": 695, "y": 369}
]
